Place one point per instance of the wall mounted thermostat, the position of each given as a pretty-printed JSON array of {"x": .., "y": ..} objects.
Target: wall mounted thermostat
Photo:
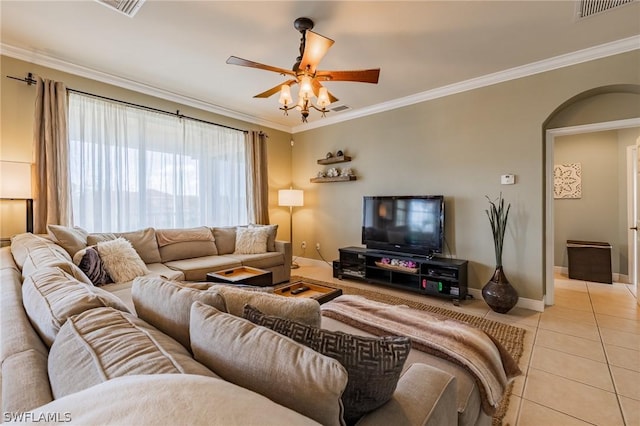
[{"x": 508, "y": 179}]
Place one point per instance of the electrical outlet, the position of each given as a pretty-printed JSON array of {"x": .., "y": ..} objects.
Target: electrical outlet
[
  {"x": 303, "y": 245},
  {"x": 318, "y": 246}
]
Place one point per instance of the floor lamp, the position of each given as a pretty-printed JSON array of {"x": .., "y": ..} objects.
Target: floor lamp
[
  {"x": 15, "y": 184},
  {"x": 291, "y": 198}
]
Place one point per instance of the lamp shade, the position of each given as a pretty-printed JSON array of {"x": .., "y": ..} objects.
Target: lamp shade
[
  {"x": 15, "y": 180},
  {"x": 291, "y": 197}
]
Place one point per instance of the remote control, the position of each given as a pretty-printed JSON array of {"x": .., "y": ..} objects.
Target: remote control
[{"x": 300, "y": 290}]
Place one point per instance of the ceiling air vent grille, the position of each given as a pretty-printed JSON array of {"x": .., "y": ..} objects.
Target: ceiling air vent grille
[
  {"x": 591, "y": 7},
  {"x": 340, "y": 108},
  {"x": 127, "y": 7}
]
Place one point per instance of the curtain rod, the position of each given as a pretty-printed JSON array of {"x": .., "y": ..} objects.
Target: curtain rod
[{"x": 29, "y": 80}]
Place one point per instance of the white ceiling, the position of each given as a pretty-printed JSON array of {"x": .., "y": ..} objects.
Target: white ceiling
[{"x": 180, "y": 47}]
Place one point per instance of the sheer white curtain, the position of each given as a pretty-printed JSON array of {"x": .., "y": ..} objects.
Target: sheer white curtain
[{"x": 131, "y": 168}]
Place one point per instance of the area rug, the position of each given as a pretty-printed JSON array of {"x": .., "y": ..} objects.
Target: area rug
[{"x": 512, "y": 338}]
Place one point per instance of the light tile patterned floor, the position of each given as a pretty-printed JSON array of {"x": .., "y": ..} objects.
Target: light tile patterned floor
[{"x": 581, "y": 361}]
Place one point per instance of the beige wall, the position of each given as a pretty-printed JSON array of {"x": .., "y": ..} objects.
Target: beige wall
[
  {"x": 601, "y": 213},
  {"x": 457, "y": 146},
  {"x": 16, "y": 134}
]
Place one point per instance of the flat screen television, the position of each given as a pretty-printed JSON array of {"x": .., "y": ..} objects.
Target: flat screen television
[{"x": 409, "y": 224}]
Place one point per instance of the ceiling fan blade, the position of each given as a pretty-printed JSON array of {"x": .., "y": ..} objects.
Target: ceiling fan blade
[
  {"x": 316, "y": 90},
  {"x": 234, "y": 60},
  {"x": 274, "y": 90},
  {"x": 363, "y": 76},
  {"x": 315, "y": 47}
]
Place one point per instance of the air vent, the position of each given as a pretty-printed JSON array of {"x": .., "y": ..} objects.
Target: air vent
[
  {"x": 127, "y": 7},
  {"x": 591, "y": 7},
  {"x": 340, "y": 108}
]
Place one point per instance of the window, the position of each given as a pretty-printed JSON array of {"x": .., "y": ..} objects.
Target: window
[{"x": 132, "y": 168}]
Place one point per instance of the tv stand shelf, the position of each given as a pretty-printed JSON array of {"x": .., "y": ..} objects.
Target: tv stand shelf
[{"x": 435, "y": 277}]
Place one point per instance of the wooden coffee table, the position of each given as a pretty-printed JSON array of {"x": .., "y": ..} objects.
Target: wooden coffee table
[
  {"x": 244, "y": 275},
  {"x": 321, "y": 293}
]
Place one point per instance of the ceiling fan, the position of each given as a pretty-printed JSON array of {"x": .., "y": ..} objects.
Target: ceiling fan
[{"x": 305, "y": 73}]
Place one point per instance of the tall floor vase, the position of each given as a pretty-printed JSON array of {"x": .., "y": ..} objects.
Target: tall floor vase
[{"x": 499, "y": 293}]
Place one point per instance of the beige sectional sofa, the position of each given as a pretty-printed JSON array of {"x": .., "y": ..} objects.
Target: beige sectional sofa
[
  {"x": 180, "y": 254},
  {"x": 51, "y": 312}
]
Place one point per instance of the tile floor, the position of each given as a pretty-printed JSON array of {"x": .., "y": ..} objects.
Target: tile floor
[{"x": 581, "y": 359}]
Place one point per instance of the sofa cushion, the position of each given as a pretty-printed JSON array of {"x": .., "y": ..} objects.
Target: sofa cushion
[
  {"x": 22, "y": 243},
  {"x": 272, "y": 232},
  {"x": 176, "y": 244},
  {"x": 261, "y": 260},
  {"x": 89, "y": 261},
  {"x": 163, "y": 271},
  {"x": 52, "y": 256},
  {"x": 167, "y": 305},
  {"x": 266, "y": 362},
  {"x": 71, "y": 239},
  {"x": 121, "y": 260},
  {"x": 225, "y": 237},
  {"x": 197, "y": 269},
  {"x": 143, "y": 241},
  {"x": 18, "y": 335},
  {"x": 50, "y": 296},
  {"x": 104, "y": 343},
  {"x": 374, "y": 364},
  {"x": 25, "y": 382},
  {"x": 251, "y": 240},
  {"x": 304, "y": 310},
  {"x": 171, "y": 399}
]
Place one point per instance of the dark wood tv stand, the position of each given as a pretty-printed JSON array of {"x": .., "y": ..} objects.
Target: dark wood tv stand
[{"x": 440, "y": 277}]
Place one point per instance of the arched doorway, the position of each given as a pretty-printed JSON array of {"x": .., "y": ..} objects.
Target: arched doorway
[{"x": 599, "y": 109}]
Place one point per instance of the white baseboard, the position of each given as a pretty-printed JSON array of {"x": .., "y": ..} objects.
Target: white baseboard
[{"x": 617, "y": 278}]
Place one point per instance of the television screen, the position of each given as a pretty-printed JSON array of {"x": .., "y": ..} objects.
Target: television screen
[{"x": 412, "y": 224}]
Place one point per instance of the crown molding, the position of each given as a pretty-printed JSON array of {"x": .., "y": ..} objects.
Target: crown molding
[
  {"x": 574, "y": 58},
  {"x": 64, "y": 66}
]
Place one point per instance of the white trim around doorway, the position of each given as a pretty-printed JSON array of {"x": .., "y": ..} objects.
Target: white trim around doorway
[{"x": 550, "y": 136}]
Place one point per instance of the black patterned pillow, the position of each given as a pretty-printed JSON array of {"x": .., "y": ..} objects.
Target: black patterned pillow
[
  {"x": 374, "y": 364},
  {"x": 89, "y": 262}
]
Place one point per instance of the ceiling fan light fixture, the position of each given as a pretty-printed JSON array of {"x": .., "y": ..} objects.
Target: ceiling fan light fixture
[
  {"x": 285, "y": 95},
  {"x": 306, "y": 89},
  {"x": 305, "y": 72},
  {"x": 323, "y": 97}
]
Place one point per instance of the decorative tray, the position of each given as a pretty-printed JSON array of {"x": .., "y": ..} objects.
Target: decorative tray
[{"x": 397, "y": 267}]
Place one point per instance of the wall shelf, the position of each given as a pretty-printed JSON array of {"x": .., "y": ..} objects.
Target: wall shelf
[
  {"x": 333, "y": 179},
  {"x": 334, "y": 160}
]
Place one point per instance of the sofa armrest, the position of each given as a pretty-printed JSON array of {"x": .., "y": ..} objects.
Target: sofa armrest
[
  {"x": 425, "y": 396},
  {"x": 284, "y": 247}
]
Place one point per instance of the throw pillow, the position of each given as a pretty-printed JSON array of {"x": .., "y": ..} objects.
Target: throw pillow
[
  {"x": 103, "y": 343},
  {"x": 89, "y": 262},
  {"x": 251, "y": 240},
  {"x": 120, "y": 260},
  {"x": 304, "y": 310},
  {"x": 225, "y": 239},
  {"x": 374, "y": 364},
  {"x": 272, "y": 231},
  {"x": 71, "y": 239},
  {"x": 268, "y": 363},
  {"x": 143, "y": 241},
  {"x": 50, "y": 296},
  {"x": 167, "y": 305}
]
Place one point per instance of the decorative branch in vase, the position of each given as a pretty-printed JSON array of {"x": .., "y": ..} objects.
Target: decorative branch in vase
[{"x": 498, "y": 292}]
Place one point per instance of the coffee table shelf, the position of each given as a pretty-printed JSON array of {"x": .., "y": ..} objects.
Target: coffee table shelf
[
  {"x": 318, "y": 292},
  {"x": 244, "y": 275}
]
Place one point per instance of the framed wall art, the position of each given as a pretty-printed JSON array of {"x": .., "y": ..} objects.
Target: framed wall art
[{"x": 567, "y": 180}]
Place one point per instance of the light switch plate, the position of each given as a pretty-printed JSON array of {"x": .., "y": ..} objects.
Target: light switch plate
[{"x": 508, "y": 179}]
